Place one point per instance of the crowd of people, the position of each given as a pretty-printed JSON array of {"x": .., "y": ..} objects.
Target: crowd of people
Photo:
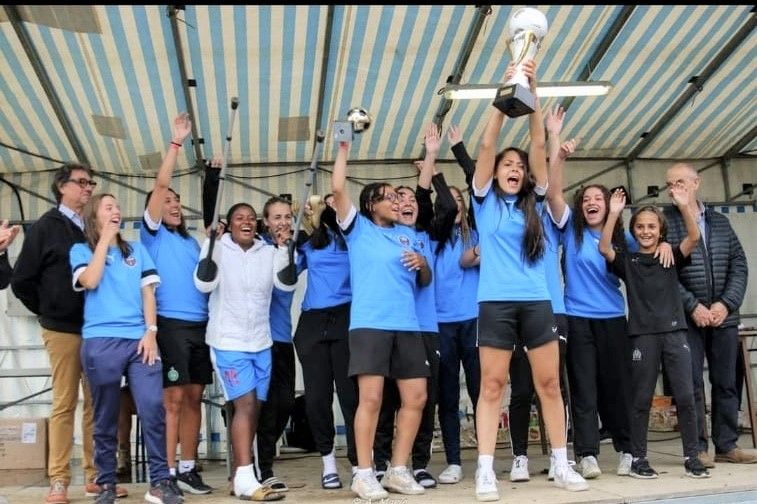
[{"x": 504, "y": 279}]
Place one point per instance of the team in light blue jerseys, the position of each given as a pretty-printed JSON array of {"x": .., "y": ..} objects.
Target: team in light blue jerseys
[{"x": 402, "y": 290}]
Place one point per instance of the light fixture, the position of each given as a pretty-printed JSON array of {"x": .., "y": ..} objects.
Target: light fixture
[{"x": 544, "y": 90}]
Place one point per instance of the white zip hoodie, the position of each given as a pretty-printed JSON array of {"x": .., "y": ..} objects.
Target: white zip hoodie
[{"x": 240, "y": 295}]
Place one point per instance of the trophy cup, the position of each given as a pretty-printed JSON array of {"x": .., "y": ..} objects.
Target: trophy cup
[
  {"x": 358, "y": 120},
  {"x": 526, "y": 29}
]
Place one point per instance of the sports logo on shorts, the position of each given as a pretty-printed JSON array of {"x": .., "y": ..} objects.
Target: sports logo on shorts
[
  {"x": 130, "y": 261},
  {"x": 636, "y": 357},
  {"x": 172, "y": 374},
  {"x": 230, "y": 377}
]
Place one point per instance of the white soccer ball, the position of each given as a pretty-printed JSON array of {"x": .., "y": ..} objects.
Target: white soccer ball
[
  {"x": 360, "y": 119},
  {"x": 528, "y": 19}
]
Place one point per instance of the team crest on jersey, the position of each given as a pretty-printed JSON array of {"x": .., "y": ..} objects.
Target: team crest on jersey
[
  {"x": 404, "y": 240},
  {"x": 420, "y": 245},
  {"x": 130, "y": 261}
]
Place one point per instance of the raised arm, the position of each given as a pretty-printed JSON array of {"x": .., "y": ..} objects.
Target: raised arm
[
  {"x": 461, "y": 153},
  {"x": 427, "y": 168},
  {"x": 537, "y": 152},
  {"x": 342, "y": 201},
  {"x": 554, "y": 123},
  {"x": 617, "y": 204},
  {"x": 681, "y": 196},
  {"x": 182, "y": 126}
]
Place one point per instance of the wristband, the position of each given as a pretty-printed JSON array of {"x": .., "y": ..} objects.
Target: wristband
[
  {"x": 178, "y": 145},
  {"x": 152, "y": 328}
]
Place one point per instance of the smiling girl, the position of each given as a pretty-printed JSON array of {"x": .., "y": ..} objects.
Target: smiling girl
[
  {"x": 119, "y": 280},
  {"x": 656, "y": 324}
]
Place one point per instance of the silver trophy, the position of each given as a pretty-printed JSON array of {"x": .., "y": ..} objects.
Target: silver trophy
[
  {"x": 358, "y": 120},
  {"x": 526, "y": 29}
]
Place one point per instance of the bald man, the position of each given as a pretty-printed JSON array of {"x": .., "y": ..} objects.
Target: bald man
[{"x": 712, "y": 287}]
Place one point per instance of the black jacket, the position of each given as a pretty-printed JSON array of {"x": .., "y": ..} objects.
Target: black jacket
[
  {"x": 717, "y": 272},
  {"x": 42, "y": 277},
  {"x": 5, "y": 270}
]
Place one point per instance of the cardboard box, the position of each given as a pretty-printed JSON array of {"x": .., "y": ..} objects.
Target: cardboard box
[
  {"x": 23, "y": 477},
  {"x": 23, "y": 443}
]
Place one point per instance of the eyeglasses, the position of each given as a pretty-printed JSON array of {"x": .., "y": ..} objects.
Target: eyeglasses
[
  {"x": 392, "y": 197},
  {"x": 83, "y": 182}
]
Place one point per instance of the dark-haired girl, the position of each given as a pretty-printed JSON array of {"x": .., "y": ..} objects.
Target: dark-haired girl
[
  {"x": 385, "y": 339},
  {"x": 656, "y": 324},
  {"x": 182, "y": 316},
  {"x": 239, "y": 333},
  {"x": 322, "y": 340},
  {"x": 514, "y": 301}
]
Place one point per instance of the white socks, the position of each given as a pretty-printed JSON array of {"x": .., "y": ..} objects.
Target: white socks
[
  {"x": 186, "y": 465},
  {"x": 560, "y": 455},
  {"x": 486, "y": 462},
  {"x": 329, "y": 463}
]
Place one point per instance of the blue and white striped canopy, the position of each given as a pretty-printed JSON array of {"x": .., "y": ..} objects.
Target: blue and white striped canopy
[{"x": 115, "y": 82}]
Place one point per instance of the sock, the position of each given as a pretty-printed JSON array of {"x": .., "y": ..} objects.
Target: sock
[
  {"x": 399, "y": 468},
  {"x": 364, "y": 472},
  {"x": 354, "y": 470},
  {"x": 560, "y": 455},
  {"x": 329, "y": 463},
  {"x": 186, "y": 465},
  {"x": 486, "y": 462},
  {"x": 172, "y": 471}
]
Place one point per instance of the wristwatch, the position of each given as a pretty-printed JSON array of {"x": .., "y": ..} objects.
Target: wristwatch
[{"x": 152, "y": 328}]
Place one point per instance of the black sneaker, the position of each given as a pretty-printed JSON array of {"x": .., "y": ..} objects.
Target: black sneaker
[
  {"x": 640, "y": 469},
  {"x": 164, "y": 492},
  {"x": 192, "y": 482},
  {"x": 695, "y": 468},
  {"x": 424, "y": 478},
  {"x": 107, "y": 495}
]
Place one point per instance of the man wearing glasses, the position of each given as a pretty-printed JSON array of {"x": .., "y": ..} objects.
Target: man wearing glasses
[{"x": 42, "y": 281}]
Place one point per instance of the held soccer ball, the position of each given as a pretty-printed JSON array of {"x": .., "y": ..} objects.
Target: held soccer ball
[
  {"x": 360, "y": 119},
  {"x": 528, "y": 19}
]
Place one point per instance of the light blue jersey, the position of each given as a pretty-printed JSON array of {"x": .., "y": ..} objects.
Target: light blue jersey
[
  {"x": 552, "y": 237},
  {"x": 455, "y": 286},
  {"x": 383, "y": 290},
  {"x": 328, "y": 276},
  {"x": 114, "y": 308},
  {"x": 506, "y": 274},
  {"x": 176, "y": 258},
  {"x": 591, "y": 291},
  {"x": 425, "y": 297},
  {"x": 281, "y": 306}
]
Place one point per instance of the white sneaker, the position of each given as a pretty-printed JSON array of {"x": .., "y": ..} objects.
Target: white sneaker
[
  {"x": 589, "y": 467},
  {"x": 551, "y": 473},
  {"x": 624, "y": 464},
  {"x": 567, "y": 478},
  {"x": 452, "y": 474},
  {"x": 245, "y": 483},
  {"x": 401, "y": 481},
  {"x": 519, "y": 470},
  {"x": 368, "y": 487},
  {"x": 486, "y": 486}
]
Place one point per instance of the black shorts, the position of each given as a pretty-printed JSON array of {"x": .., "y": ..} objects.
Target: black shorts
[
  {"x": 392, "y": 354},
  {"x": 185, "y": 356},
  {"x": 505, "y": 324}
]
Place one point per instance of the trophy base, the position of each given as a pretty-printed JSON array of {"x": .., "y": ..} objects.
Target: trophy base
[{"x": 514, "y": 100}]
